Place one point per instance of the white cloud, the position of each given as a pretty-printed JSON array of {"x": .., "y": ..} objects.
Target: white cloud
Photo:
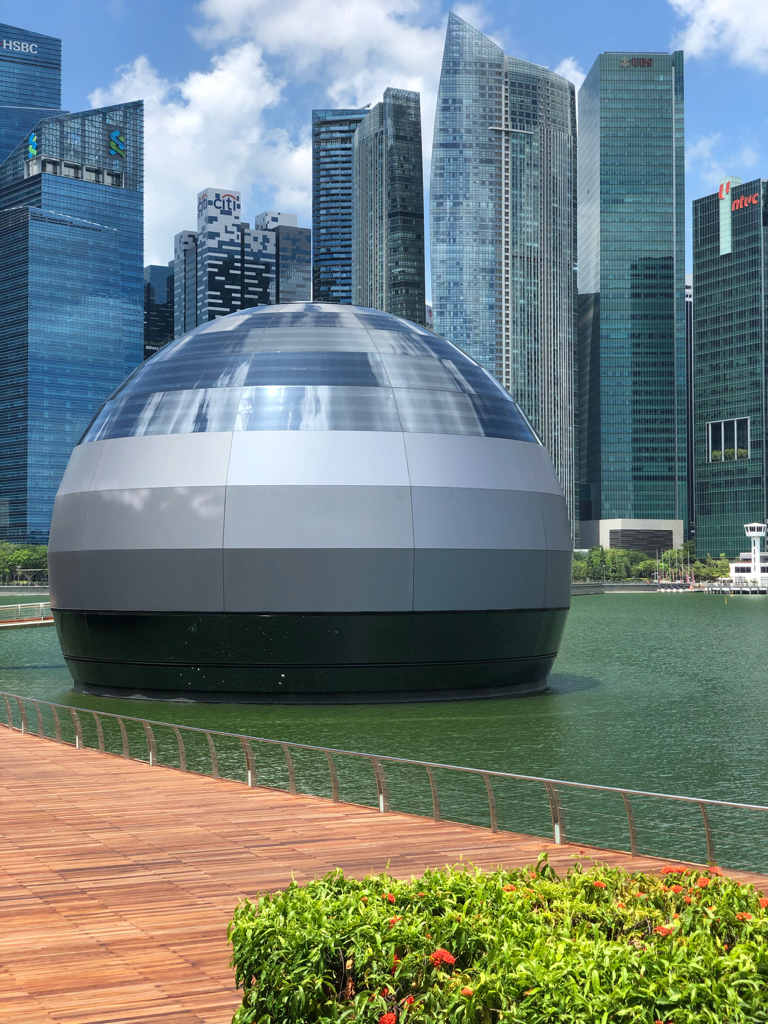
[
  {"x": 216, "y": 127},
  {"x": 736, "y": 28},
  {"x": 707, "y": 160},
  {"x": 570, "y": 68}
]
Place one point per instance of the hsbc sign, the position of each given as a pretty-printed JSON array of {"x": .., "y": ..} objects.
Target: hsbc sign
[{"x": 18, "y": 46}]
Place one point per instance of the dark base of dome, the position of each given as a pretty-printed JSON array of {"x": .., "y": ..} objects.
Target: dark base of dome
[{"x": 310, "y": 659}]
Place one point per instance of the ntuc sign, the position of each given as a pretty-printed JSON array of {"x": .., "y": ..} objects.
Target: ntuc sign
[{"x": 742, "y": 201}]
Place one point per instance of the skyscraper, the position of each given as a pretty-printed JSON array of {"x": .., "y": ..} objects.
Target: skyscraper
[
  {"x": 730, "y": 360},
  {"x": 388, "y": 208},
  {"x": 332, "y": 134},
  {"x": 632, "y": 429},
  {"x": 293, "y": 256},
  {"x": 158, "y": 307},
  {"x": 71, "y": 282},
  {"x": 503, "y": 228},
  {"x": 30, "y": 83}
]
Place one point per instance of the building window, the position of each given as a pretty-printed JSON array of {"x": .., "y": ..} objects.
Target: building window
[
  {"x": 115, "y": 178},
  {"x": 728, "y": 440},
  {"x": 93, "y": 174}
]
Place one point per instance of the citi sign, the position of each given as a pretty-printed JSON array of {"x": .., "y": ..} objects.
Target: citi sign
[
  {"x": 226, "y": 204},
  {"x": 17, "y": 46}
]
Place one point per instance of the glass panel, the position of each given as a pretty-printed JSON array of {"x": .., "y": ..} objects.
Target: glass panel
[
  {"x": 321, "y": 339},
  {"x": 742, "y": 438},
  {"x": 169, "y": 412},
  {"x": 199, "y": 362},
  {"x": 419, "y": 372},
  {"x": 715, "y": 442},
  {"x": 408, "y": 343},
  {"x": 729, "y": 440},
  {"x": 442, "y": 412},
  {"x": 317, "y": 408},
  {"x": 378, "y": 321},
  {"x": 321, "y": 369},
  {"x": 98, "y": 426},
  {"x": 471, "y": 377},
  {"x": 311, "y": 318}
]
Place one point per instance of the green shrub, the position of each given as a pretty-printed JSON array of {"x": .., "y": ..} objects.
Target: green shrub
[{"x": 595, "y": 947}]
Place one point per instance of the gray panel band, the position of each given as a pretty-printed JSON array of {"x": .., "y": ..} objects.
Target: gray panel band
[
  {"x": 158, "y": 517},
  {"x": 455, "y": 460},
  {"x": 454, "y": 517},
  {"x": 68, "y": 521},
  {"x": 165, "y": 460},
  {"x": 81, "y": 468},
  {"x": 445, "y": 580}
]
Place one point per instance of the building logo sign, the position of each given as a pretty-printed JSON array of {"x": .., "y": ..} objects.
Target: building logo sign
[
  {"x": 17, "y": 46},
  {"x": 32, "y": 145},
  {"x": 725, "y": 188},
  {"x": 636, "y": 62},
  {"x": 117, "y": 143},
  {"x": 226, "y": 203},
  {"x": 739, "y": 204}
]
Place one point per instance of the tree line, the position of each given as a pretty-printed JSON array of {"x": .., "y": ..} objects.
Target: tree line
[
  {"x": 617, "y": 565},
  {"x": 23, "y": 562}
]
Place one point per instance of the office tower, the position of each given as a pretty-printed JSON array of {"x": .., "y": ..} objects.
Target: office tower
[
  {"x": 388, "y": 208},
  {"x": 503, "y": 228},
  {"x": 689, "y": 460},
  {"x": 184, "y": 282},
  {"x": 631, "y": 189},
  {"x": 158, "y": 307},
  {"x": 30, "y": 84},
  {"x": 293, "y": 256},
  {"x": 332, "y": 134},
  {"x": 72, "y": 296},
  {"x": 730, "y": 348}
]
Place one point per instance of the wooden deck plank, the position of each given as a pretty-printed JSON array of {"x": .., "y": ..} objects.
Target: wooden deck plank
[{"x": 118, "y": 879}]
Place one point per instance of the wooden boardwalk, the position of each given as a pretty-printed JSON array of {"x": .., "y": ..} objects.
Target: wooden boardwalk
[{"x": 118, "y": 879}]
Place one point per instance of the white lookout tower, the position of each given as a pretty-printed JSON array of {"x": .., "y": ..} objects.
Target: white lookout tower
[{"x": 752, "y": 566}]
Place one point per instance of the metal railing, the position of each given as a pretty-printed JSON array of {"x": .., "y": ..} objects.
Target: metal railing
[
  {"x": 26, "y": 612},
  {"x": 559, "y": 795}
]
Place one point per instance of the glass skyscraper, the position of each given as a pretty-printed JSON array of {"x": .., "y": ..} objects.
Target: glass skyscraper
[
  {"x": 30, "y": 83},
  {"x": 158, "y": 307},
  {"x": 503, "y": 228},
  {"x": 388, "y": 208},
  {"x": 293, "y": 256},
  {"x": 632, "y": 363},
  {"x": 71, "y": 282},
  {"x": 332, "y": 135},
  {"x": 730, "y": 363}
]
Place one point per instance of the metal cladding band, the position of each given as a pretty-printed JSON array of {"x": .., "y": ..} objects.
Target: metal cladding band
[{"x": 310, "y": 503}]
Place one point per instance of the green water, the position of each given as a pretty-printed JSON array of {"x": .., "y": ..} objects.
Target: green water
[{"x": 659, "y": 692}]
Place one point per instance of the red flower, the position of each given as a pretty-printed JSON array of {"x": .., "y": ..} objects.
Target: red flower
[
  {"x": 743, "y": 917},
  {"x": 599, "y": 884},
  {"x": 676, "y": 916},
  {"x": 620, "y": 904},
  {"x": 661, "y": 930},
  {"x": 639, "y": 895},
  {"x": 677, "y": 888},
  {"x": 385, "y": 991},
  {"x": 725, "y": 945},
  {"x": 669, "y": 870},
  {"x": 467, "y": 991},
  {"x": 714, "y": 870},
  {"x": 442, "y": 956},
  {"x": 702, "y": 882},
  {"x": 509, "y": 888},
  {"x": 409, "y": 1000},
  {"x": 395, "y": 961},
  {"x": 393, "y": 921},
  {"x": 388, "y": 1018},
  {"x": 364, "y": 899},
  {"x": 422, "y": 894},
  {"x": 764, "y": 902},
  {"x": 687, "y": 899},
  {"x": 390, "y": 897}
]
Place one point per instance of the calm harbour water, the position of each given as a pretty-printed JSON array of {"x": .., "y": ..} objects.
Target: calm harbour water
[{"x": 659, "y": 692}]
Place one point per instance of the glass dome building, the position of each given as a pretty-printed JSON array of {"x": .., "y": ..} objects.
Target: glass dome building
[{"x": 310, "y": 502}]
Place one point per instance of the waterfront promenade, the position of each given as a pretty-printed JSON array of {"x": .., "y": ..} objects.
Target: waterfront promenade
[{"x": 118, "y": 879}]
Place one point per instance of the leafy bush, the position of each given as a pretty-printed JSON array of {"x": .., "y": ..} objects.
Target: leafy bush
[{"x": 594, "y": 947}]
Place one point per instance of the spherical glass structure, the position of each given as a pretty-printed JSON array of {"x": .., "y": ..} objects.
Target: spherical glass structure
[{"x": 310, "y": 502}]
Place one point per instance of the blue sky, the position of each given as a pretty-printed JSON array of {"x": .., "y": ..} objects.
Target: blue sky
[{"x": 229, "y": 84}]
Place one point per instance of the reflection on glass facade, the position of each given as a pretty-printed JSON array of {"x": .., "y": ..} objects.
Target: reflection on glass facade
[
  {"x": 344, "y": 371},
  {"x": 158, "y": 307},
  {"x": 72, "y": 272},
  {"x": 30, "y": 84},
  {"x": 503, "y": 228},
  {"x": 293, "y": 256},
  {"x": 632, "y": 400},
  {"x": 332, "y": 135},
  {"x": 730, "y": 340},
  {"x": 388, "y": 208}
]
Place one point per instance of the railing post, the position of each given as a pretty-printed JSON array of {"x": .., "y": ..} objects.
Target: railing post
[
  {"x": 708, "y": 833},
  {"x": 23, "y": 714},
  {"x": 151, "y": 745},
  {"x": 633, "y": 847},
  {"x": 78, "y": 729},
  {"x": 124, "y": 734},
  {"x": 435, "y": 794},
  {"x": 289, "y": 765},
  {"x": 558, "y": 821},
  {"x": 214, "y": 758},
  {"x": 56, "y": 724},
  {"x": 491, "y": 803},
  {"x": 182, "y": 751},
  {"x": 250, "y": 766},
  {"x": 334, "y": 779},
  {"x": 40, "y": 726},
  {"x": 381, "y": 785},
  {"x": 99, "y": 731},
  {"x": 10, "y": 713}
]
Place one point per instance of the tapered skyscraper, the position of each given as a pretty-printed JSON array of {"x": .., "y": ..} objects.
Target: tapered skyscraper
[
  {"x": 503, "y": 228},
  {"x": 632, "y": 385},
  {"x": 388, "y": 208}
]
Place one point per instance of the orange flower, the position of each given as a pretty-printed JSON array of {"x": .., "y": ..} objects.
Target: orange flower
[
  {"x": 388, "y": 1018},
  {"x": 509, "y": 888},
  {"x": 714, "y": 870},
  {"x": 677, "y": 888},
  {"x": 725, "y": 945},
  {"x": 467, "y": 991},
  {"x": 390, "y": 897},
  {"x": 598, "y": 884},
  {"x": 662, "y": 930},
  {"x": 442, "y": 956},
  {"x": 620, "y": 904},
  {"x": 669, "y": 870},
  {"x": 702, "y": 882},
  {"x": 409, "y": 1000},
  {"x": 675, "y": 916},
  {"x": 743, "y": 917},
  {"x": 393, "y": 921},
  {"x": 639, "y": 895},
  {"x": 687, "y": 899},
  {"x": 764, "y": 902},
  {"x": 422, "y": 894}
]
